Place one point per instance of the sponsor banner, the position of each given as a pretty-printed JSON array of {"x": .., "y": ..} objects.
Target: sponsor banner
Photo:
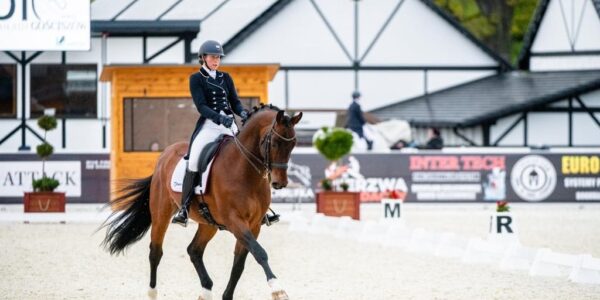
[
  {"x": 84, "y": 177},
  {"x": 45, "y": 25},
  {"x": 471, "y": 177},
  {"x": 486, "y": 177},
  {"x": 17, "y": 177}
]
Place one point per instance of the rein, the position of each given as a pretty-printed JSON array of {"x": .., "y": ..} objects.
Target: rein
[{"x": 266, "y": 162}]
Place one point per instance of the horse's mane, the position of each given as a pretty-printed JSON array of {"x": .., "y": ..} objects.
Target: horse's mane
[{"x": 257, "y": 109}]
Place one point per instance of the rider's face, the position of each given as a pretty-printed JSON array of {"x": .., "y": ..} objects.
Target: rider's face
[{"x": 212, "y": 61}]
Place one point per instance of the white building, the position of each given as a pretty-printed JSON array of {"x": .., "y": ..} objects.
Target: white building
[
  {"x": 553, "y": 101},
  {"x": 389, "y": 50}
]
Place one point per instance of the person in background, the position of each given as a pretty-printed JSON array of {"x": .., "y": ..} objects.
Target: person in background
[
  {"x": 356, "y": 120},
  {"x": 435, "y": 140}
]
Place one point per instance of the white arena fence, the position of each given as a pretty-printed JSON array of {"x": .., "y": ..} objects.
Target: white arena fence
[{"x": 504, "y": 253}]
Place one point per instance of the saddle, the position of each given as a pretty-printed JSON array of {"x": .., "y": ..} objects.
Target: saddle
[
  {"x": 210, "y": 151},
  {"x": 207, "y": 156}
]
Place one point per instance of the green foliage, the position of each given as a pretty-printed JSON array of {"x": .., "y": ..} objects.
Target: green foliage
[
  {"x": 47, "y": 122},
  {"x": 502, "y": 206},
  {"x": 345, "y": 186},
  {"x": 333, "y": 143},
  {"x": 326, "y": 184},
  {"x": 45, "y": 184},
  {"x": 44, "y": 150},
  {"x": 485, "y": 19}
]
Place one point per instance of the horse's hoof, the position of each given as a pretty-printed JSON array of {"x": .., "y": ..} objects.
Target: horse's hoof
[
  {"x": 205, "y": 295},
  {"x": 280, "y": 295},
  {"x": 152, "y": 293}
]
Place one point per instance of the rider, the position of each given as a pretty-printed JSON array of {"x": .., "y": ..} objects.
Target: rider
[{"x": 215, "y": 97}]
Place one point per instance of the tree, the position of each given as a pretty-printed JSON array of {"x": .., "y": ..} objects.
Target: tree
[
  {"x": 44, "y": 150},
  {"x": 500, "y": 24}
]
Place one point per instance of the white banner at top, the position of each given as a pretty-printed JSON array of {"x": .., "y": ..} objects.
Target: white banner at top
[{"x": 44, "y": 25}]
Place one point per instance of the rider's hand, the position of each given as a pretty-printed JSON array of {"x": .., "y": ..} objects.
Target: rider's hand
[
  {"x": 244, "y": 115},
  {"x": 226, "y": 121}
]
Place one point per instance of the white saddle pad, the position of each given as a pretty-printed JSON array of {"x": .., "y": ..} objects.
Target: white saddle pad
[{"x": 177, "y": 179}]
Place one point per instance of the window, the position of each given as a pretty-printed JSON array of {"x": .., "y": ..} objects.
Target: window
[
  {"x": 70, "y": 89},
  {"x": 8, "y": 91},
  {"x": 249, "y": 102},
  {"x": 152, "y": 124}
]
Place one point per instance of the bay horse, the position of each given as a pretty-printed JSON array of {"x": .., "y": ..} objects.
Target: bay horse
[{"x": 238, "y": 197}]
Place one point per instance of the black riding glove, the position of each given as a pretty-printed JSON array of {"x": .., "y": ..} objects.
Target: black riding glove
[
  {"x": 226, "y": 121},
  {"x": 244, "y": 115}
]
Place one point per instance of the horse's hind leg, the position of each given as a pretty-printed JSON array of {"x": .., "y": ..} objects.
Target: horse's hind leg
[
  {"x": 161, "y": 214},
  {"x": 196, "y": 249},
  {"x": 239, "y": 260}
]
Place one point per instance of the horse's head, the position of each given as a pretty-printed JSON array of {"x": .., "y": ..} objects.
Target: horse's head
[{"x": 277, "y": 143}]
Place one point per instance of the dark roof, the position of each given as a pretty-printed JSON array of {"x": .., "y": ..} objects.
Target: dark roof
[
  {"x": 490, "y": 98},
  {"x": 532, "y": 30},
  {"x": 151, "y": 28},
  {"x": 279, "y": 5}
]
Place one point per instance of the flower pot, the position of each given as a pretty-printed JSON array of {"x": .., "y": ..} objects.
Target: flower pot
[
  {"x": 339, "y": 204},
  {"x": 34, "y": 202}
]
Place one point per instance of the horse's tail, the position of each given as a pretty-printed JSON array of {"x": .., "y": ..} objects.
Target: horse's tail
[{"x": 129, "y": 226}]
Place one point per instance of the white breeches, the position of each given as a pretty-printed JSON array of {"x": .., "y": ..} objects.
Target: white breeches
[{"x": 209, "y": 133}]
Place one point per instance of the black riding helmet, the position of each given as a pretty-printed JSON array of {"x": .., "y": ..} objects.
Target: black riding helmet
[{"x": 211, "y": 47}]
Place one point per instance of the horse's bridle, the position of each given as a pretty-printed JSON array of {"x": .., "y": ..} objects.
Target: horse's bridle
[{"x": 266, "y": 162}]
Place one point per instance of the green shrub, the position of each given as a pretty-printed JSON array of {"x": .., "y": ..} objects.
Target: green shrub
[
  {"x": 333, "y": 143},
  {"x": 345, "y": 186},
  {"x": 44, "y": 150},
  {"x": 45, "y": 184},
  {"x": 326, "y": 184},
  {"x": 47, "y": 122}
]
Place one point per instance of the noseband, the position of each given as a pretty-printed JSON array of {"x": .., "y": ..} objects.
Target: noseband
[
  {"x": 265, "y": 143},
  {"x": 268, "y": 164}
]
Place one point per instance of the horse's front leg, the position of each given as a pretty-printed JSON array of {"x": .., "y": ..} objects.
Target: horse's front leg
[
  {"x": 239, "y": 261},
  {"x": 196, "y": 250},
  {"x": 248, "y": 239}
]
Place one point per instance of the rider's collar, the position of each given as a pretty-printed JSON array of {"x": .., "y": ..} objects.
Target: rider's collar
[{"x": 209, "y": 72}]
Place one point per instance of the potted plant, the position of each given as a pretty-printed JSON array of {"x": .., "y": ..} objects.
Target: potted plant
[
  {"x": 326, "y": 184},
  {"x": 43, "y": 198},
  {"x": 333, "y": 144},
  {"x": 502, "y": 206},
  {"x": 344, "y": 186}
]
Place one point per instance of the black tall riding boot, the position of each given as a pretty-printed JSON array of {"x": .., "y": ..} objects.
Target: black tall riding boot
[{"x": 187, "y": 194}]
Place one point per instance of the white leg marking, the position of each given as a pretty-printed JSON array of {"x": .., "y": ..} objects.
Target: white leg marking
[
  {"x": 152, "y": 293},
  {"x": 205, "y": 294},
  {"x": 277, "y": 292}
]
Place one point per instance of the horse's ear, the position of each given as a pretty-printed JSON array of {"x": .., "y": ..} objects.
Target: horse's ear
[
  {"x": 279, "y": 117},
  {"x": 296, "y": 118}
]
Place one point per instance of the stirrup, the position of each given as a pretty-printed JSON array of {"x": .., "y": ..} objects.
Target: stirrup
[
  {"x": 270, "y": 219},
  {"x": 180, "y": 219}
]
